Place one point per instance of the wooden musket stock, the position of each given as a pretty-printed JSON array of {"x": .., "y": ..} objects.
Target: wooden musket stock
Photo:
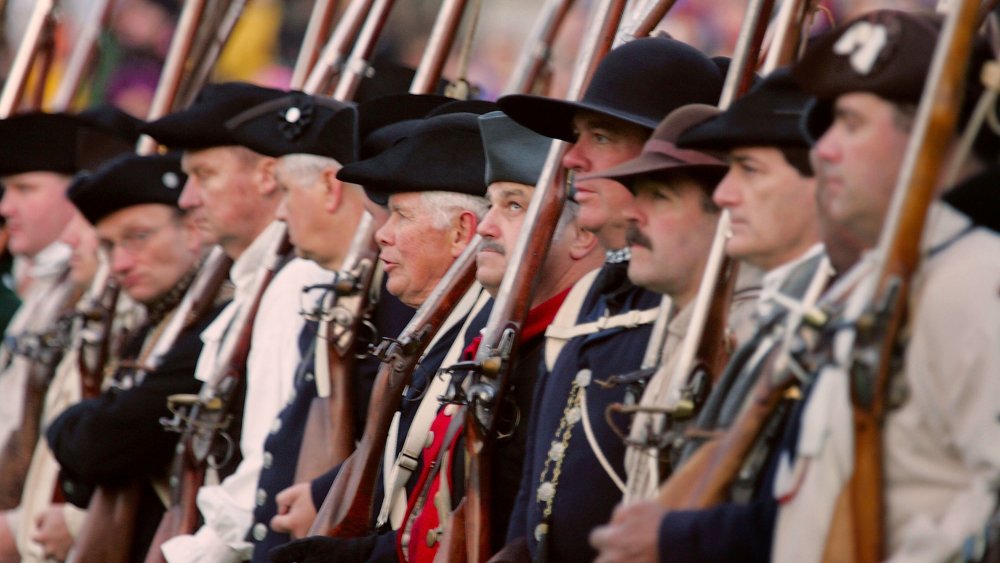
[
  {"x": 329, "y": 434},
  {"x": 877, "y": 330},
  {"x": 347, "y": 510}
]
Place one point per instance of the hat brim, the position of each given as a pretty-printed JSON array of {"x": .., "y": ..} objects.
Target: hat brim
[
  {"x": 816, "y": 119},
  {"x": 554, "y": 118},
  {"x": 654, "y": 165}
]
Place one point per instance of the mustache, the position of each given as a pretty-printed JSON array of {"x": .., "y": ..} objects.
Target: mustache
[
  {"x": 634, "y": 238},
  {"x": 489, "y": 244}
]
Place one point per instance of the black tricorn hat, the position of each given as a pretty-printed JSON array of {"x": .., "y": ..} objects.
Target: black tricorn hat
[
  {"x": 299, "y": 123},
  {"x": 443, "y": 153},
  {"x": 203, "y": 125},
  {"x": 639, "y": 82},
  {"x": 769, "y": 115},
  {"x": 384, "y": 121},
  {"x": 514, "y": 153},
  {"x": 884, "y": 52},
  {"x": 126, "y": 181},
  {"x": 62, "y": 142}
]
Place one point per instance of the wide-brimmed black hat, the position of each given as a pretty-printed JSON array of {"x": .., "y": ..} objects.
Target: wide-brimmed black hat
[
  {"x": 299, "y": 123},
  {"x": 126, "y": 181},
  {"x": 661, "y": 156},
  {"x": 203, "y": 125},
  {"x": 885, "y": 52},
  {"x": 443, "y": 153},
  {"x": 769, "y": 115},
  {"x": 639, "y": 82},
  {"x": 62, "y": 142},
  {"x": 514, "y": 153},
  {"x": 384, "y": 121}
]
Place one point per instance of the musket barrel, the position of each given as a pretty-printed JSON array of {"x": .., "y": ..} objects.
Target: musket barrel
[
  {"x": 13, "y": 89},
  {"x": 438, "y": 46},
  {"x": 316, "y": 34},
  {"x": 83, "y": 54}
]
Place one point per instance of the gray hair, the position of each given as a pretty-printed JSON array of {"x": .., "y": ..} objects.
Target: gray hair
[
  {"x": 444, "y": 206},
  {"x": 306, "y": 168}
]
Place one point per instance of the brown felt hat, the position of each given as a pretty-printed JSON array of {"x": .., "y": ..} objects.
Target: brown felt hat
[
  {"x": 885, "y": 52},
  {"x": 661, "y": 155}
]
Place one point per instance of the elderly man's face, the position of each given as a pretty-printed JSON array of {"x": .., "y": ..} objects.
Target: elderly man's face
[
  {"x": 415, "y": 250},
  {"x": 857, "y": 161},
  {"x": 771, "y": 205},
  {"x": 306, "y": 210}
]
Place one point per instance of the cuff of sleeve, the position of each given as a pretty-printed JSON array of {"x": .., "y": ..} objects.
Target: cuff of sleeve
[
  {"x": 678, "y": 540},
  {"x": 202, "y": 547},
  {"x": 321, "y": 485},
  {"x": 74, "y": 518}
]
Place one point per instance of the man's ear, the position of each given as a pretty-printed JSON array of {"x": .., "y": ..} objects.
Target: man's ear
[
  {"x": 583, "y": 242},
  {"x": 463, "y": 229},
  {"x": 333, "y": 191},
  {"x": 264, "y": 176}
]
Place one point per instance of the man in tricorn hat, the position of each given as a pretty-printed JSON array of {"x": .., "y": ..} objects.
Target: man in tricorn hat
[
  {"x": 77, "y": 141},
  {"x": 153, "y": 252},
  {"x": 633, "y": 89},
  {"x": 40, "y": 153},
  {"x": 431, "y": 177},
  {"x": 515, "y": 156},
  {"x": 770, "y": 193},
  {"x": 232, "y": 196},
  {"x": 939, "y": 441}
]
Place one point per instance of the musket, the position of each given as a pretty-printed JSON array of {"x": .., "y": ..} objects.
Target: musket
[
  {"x": 877, "y": 330},
  {"x": 94, "y": 333},
  {"x": 347, "y": 509},
  {"x": 317, "y": 33},
  {"x": 109, "y": 529},
  {"x": 17, "y": 79},
  {"x": 491, "y": 376},
  {"x": 438, "y": 46},
  {"x": 208, "y": 49},
  {"x": 83, "y": 54},
  {"x": 203, "y": 419},
  {"x": 43, "y": 350},
  {"x": 357, "y": 64},
  {"x": 789, "y": 29},
  {"x": 706, "y": 347},
  {"x": 331, "y": 61},
  {"x": 329, "y": 434},
  {"x": 172, "y": 74},
  {"x": 535, "y": 57}
]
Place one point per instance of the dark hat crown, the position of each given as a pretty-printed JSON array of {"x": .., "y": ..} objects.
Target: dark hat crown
[
  {"x": 884, "y": 52},
  {"x": 384, "y": 121},
  {"x": 514, "y": 153},
  {"x": 640, "y": 82},
  {"x": 769, "y": 115},
  {"x": 64, "y": 143},
  {"x": 127, "y": 181},
  {"x": 441, "y": 153},
  {"x": 203, "y": 124},
  {"x": 299, "y": 123}
]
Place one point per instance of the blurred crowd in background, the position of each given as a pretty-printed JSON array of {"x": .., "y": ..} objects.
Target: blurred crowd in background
[{"x": 267, "y": 38}]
